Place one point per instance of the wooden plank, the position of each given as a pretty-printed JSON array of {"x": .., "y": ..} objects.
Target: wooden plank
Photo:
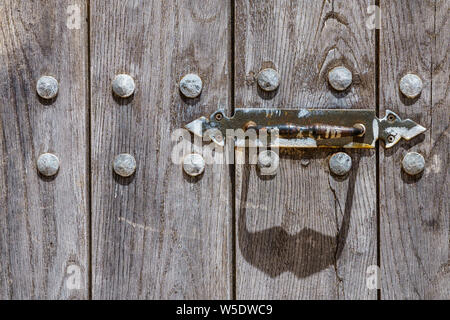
[
  {"x": 43, "y": 221},
  {"x": 305, "y": 234},
  {"x": 159, "y": 234},
  {"x": 414, "y": 239}
]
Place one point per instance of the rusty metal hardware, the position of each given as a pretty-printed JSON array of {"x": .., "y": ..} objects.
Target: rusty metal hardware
[{"x": 307, "y": 128}]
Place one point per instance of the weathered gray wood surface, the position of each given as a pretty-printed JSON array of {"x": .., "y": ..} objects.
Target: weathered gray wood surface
[
  {"x": 414, "y": 230},
  {"x": 43, "y": 221},
  {"x": 163, "y": 235},
  {"x": 159, "y": 234},
  {"x": 305, "y": 234}
]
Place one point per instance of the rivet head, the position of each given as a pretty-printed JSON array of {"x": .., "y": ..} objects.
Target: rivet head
[
  {"x": 47, "y": 87},
  {"x": 124, "y": 165},
  {"x": 193, "y": 164},
  {"x": 340, "y": 78},
  {"x": 191, "y": 85},
  {"x": 413, "y": 163},
  {"x": 411, "y": 85},
  {"x": 48, "y": 164},
  {"x": 268, "y": 162},
  {"x": 123, "y": 85},
  {"x": 268, "y": 79},
  {"x": 340, "y": 163}
]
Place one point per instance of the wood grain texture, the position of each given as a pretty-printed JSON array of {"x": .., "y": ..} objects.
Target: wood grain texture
[
  {"x": 305, "y": 234},
  {"x": 43, "y": 221},
  {"x": 159, "y": 234},
  {"x": 414, "y": 231}
]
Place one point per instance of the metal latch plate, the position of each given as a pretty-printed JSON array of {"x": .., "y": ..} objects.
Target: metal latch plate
[{"x": 310, "y": 128}]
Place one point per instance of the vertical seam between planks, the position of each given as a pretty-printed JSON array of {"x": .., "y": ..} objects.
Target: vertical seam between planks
[
  {"x": 88, "y": 148},
  {"x": 433, "y": 50},
  {"x": 232, "y": 166},
  {"x": 377, "y": 151}
]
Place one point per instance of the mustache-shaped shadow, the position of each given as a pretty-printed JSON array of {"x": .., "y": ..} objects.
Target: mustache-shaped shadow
[{"x": 275, "y": 251}]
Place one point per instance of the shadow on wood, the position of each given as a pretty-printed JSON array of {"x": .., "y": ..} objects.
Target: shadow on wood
[{"x": 275, "y": 251}]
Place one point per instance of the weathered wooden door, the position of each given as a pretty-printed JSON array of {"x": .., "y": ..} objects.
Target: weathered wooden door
[{"x": 230, "y": 233}]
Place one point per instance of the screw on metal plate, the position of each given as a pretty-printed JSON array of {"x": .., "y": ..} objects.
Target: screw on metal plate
[
  {"x": 47, "y": 87},
  {"x": 48, "y": 164},
  {"x": 123, "y": 85},
  {"x": 191, "y": 85},
  {"x": 124, "y": 165},
  {"x": 413, "y": 163},
  {"x": 307, "y": 128},
  {"x": 268, "y": 79}
]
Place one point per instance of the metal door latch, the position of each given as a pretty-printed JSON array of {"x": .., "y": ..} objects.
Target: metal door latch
[{"x": 306, "y": 128}]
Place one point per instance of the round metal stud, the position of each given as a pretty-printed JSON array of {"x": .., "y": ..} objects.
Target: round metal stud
[
  {"x": 191, "y": 85},
  {"x": 413, "y": 163},
  {"x": 340, "y": 163},
  {"x": 268, "y": 79},
  {"x": 193, "y": 164},
  {"x": 123, "y": 85},
  {"x": 411, "y": 85},
  {"x": 47, "y": 87},
  {"x": 340, "y": 78},
  {"x": 268, "y": 162},
  {"x": 48, "y": 164},
  {"x": 124, "y": 165}
]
